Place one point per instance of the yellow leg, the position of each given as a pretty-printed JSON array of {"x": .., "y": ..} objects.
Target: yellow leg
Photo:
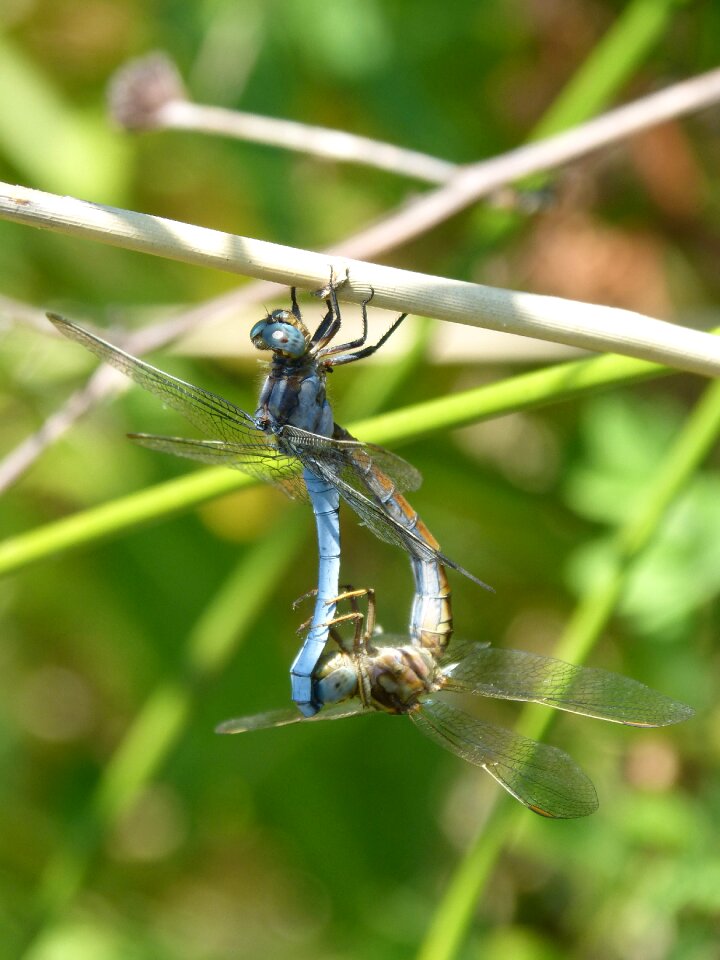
[
  {"x": 364, "y": 622},
  {"x": 304, "y": 597}
]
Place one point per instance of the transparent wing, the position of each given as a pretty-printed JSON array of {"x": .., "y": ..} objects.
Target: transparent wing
[
  {"x": 459, "y": 648},
  {"x": 281, "y": 718},
  {"x": 404, "y": 474},
  {"x": 210, "y": 413},
  {"x": 249, "y": 449},
  {"x": 284, "y": 470},
  {"x": 240, "y": 456},
  {"x": 543, "y": 778},
  {"x": 518, "y": 675},
  {"x": 343, "y": 462},
  {"x": 364, "y": 459},
  {"x": 384, "y": 526},
  {"x": 321, "y": 456}
]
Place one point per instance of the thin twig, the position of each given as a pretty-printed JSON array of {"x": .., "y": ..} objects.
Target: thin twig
[
  {"x": 105, "y": 383},
  {"x": 527, "y": 391},
  {"x": 479, "y": 179},
  {"x": 319, "y": 141},
  {"x": 149, "y": 94},
  {"x": 398, "y": 227},
  {"x": 584, "y": 325},
  {"x": 13, "y": 312},
  {"x": 102, "y": 384}
]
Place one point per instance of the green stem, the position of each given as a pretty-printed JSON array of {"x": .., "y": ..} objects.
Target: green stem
[
  {"x": 126, "y": 513},
  {"x": 591, "y": 616},
  {"x": 159, "y": 724},
  {"x": 552, "y": 384},
  {"x": 638, "y": 28}
]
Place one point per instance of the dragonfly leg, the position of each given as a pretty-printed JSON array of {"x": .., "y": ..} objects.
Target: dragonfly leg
[
  {"x": 355, "y": 617},
  {"x": 336, "y": 357},
  {"x": 331, "y": 624},
  {"x": 342, "y": 348},
  {"x": 361, "y": 341},
  {"x": 349, "y": 352},
  {"x": 295, "y": 307},
  {"x": 365, "y": 643},
  {"x": 304, "y": 626},
  {"x": 306, "y": 596},
  {"x": 330, "y": 324},
  {"x": 328, "y": 293},
  {"x": 364, "y": 623},
  {"x": 349, "y": 593}
]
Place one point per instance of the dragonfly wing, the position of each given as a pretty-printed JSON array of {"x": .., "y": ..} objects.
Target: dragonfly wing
[
  {"x": 213, "y": 415},
  {"x": 368, "y": 477},
  {"x": 384, "y": 526},
  {"x": 281, "y": 718},
  {"x": 459, "y": 649},
  {"x": 404, "y": 474},
  {"x": 279, "y": 470},
  {"x": 542, "y": 777},
  {"x": 341, "y": 453},
  {"x": 518, "y": 675}
]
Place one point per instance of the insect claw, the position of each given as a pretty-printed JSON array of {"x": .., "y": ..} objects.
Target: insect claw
[
  {"x": 367, "y": 300},
  {"x": 306, "y": 596},
  {"x": 324, "y": 292}
]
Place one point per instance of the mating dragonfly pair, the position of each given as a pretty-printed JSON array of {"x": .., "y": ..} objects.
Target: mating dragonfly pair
[{"x": 292, "y": 441}]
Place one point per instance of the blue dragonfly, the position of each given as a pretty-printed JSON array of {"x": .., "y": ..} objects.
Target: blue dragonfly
[
  {"x": 409, "y": 676},
  {"x": 292, "y": 441}
]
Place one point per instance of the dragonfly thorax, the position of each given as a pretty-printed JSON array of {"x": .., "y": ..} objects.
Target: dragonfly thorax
[
  {"x": 399, "y": 676},
  {"x": 281, "y": 332},
  {"x": 294, "y": 393},
  {"x": 393, "y": 679}
]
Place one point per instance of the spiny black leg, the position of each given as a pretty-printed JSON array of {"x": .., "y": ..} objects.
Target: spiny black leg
[
  {"x": 340, "y": 348},
  {"x": 326, "y": 292},
  {"x": 361, "y": 340},
  {"x": 364, "y": 307},
  {"x": 336, "y": 359},
  {"x": 328, "y": 328},
  {"x": 295, "y": 306},
  {"x": 332, "y": 320}
]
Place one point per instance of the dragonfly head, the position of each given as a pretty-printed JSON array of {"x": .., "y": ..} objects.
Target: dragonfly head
[
  {"x": 281, "y": 332},
  {"x": 336, "y": 678}
]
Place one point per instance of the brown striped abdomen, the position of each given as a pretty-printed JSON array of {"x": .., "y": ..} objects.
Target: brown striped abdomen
[{"x": 431, "y": 614}]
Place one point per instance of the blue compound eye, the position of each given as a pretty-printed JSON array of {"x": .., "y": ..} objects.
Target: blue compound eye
[{"x": 269, "y": 334}]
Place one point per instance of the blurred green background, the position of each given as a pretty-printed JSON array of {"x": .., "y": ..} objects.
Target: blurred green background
[{"x": 127, "y": 829}]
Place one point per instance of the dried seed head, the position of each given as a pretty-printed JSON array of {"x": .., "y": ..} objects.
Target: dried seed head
[{"x": 140, "y": 89}]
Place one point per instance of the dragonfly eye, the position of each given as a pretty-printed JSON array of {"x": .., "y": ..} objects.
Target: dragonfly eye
[
  {"x": 278, "y": 335},
  {"x": 336, "y": 683}
]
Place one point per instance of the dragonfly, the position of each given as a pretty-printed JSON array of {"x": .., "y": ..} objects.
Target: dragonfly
[
  {"x": 292, "y": 441},
  {"x": 405, "y": 678}
]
